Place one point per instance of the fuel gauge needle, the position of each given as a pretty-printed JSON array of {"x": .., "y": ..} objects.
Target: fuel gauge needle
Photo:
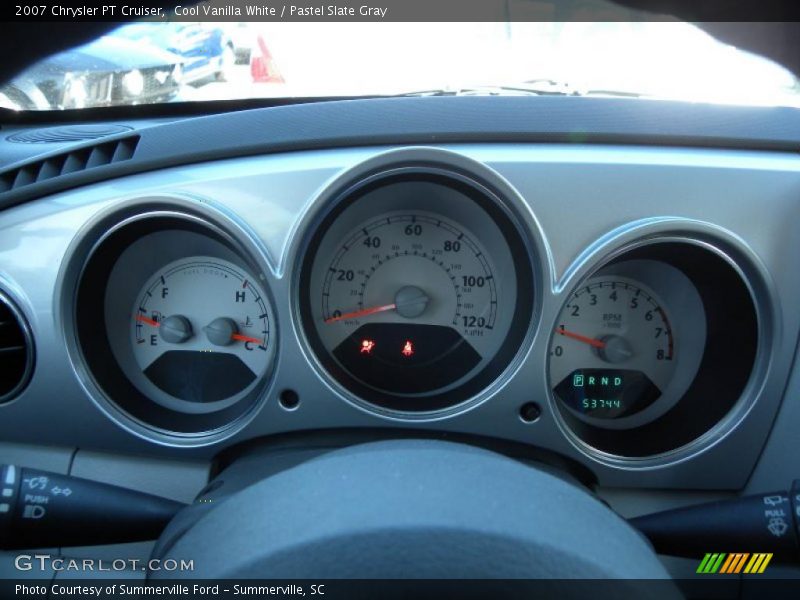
[
  {"x": 148, "y": 321},
  {"x": 581, "y": 338}
]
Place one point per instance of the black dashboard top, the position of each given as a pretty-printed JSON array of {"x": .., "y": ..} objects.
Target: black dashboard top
[{"x": 380, "y": 121}]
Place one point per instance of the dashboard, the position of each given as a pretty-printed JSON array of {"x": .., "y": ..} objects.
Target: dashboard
[{"x": 628, "y": 306}]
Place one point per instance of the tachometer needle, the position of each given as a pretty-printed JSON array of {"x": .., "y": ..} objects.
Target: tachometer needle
[
  {"x": 245, "y": 338},
  {"x": 144, "y": 319},
  {"x": 581, "y": 338},
  {"x": 362, "y": 313}
]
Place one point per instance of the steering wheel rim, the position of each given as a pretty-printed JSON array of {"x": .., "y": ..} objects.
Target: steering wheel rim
[{"x": 413, "y": 508}]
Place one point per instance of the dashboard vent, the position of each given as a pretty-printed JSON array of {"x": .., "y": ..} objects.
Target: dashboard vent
[
  {"x": 16, "y": 351},
  {"x": 65, "y": 163},
  {"x": 74, "y": 133}
]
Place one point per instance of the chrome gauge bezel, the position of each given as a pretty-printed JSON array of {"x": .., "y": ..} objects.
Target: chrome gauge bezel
[
  {"x": 489, "y": 199},
  {"x": 117, "y": 396},
  {"x": 756, "y": 282}
]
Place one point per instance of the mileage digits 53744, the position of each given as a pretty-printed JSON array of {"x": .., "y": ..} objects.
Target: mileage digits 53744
[{"x": 408, "y": 289}]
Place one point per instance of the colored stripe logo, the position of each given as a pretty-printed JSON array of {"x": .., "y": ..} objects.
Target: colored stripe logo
[{"x": 734, "y": 563}]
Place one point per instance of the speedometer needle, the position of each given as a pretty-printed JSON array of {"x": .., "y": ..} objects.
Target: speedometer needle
[
  {"x": 581, "y": 338},
  {"x": 362, "y": 313}
]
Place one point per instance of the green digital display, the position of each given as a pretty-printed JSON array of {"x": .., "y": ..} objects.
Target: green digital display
[{"x": 607, "y": 393}]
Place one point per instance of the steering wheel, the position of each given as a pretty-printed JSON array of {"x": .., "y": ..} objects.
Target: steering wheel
[{"x": 409, "y": 508}]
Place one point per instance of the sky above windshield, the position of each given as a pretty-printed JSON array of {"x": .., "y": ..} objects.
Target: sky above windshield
[{"x": 153, "y": 62}]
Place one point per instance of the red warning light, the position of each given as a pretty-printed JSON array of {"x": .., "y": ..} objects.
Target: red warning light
[
  {"x": 367, "y": 346},
  {"x": 408, "y": 348}
]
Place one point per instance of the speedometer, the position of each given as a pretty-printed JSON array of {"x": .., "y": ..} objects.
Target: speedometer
[{"x": 412, "y": 292}]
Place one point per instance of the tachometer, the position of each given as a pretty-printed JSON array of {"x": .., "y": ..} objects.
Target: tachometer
[
  {"x": 614, "y": 351},
  {"x": 411, "y": 294}
]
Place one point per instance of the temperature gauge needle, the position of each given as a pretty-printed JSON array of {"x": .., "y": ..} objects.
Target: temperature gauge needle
[
  {"x": 143, "y": 319},
  {"x": 362, "y": 313},
  {"x": 581, "y": 338},
  {"x": 245, "y": 338}
]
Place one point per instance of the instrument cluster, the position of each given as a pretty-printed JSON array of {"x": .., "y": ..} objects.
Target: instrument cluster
[{"x": 416, "y": 292}]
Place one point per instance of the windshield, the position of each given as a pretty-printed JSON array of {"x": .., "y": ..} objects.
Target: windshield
[{"x": 156, "y": 62}]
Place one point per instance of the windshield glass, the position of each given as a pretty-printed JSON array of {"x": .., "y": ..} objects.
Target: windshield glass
[{"x": 165, "y": 61}]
